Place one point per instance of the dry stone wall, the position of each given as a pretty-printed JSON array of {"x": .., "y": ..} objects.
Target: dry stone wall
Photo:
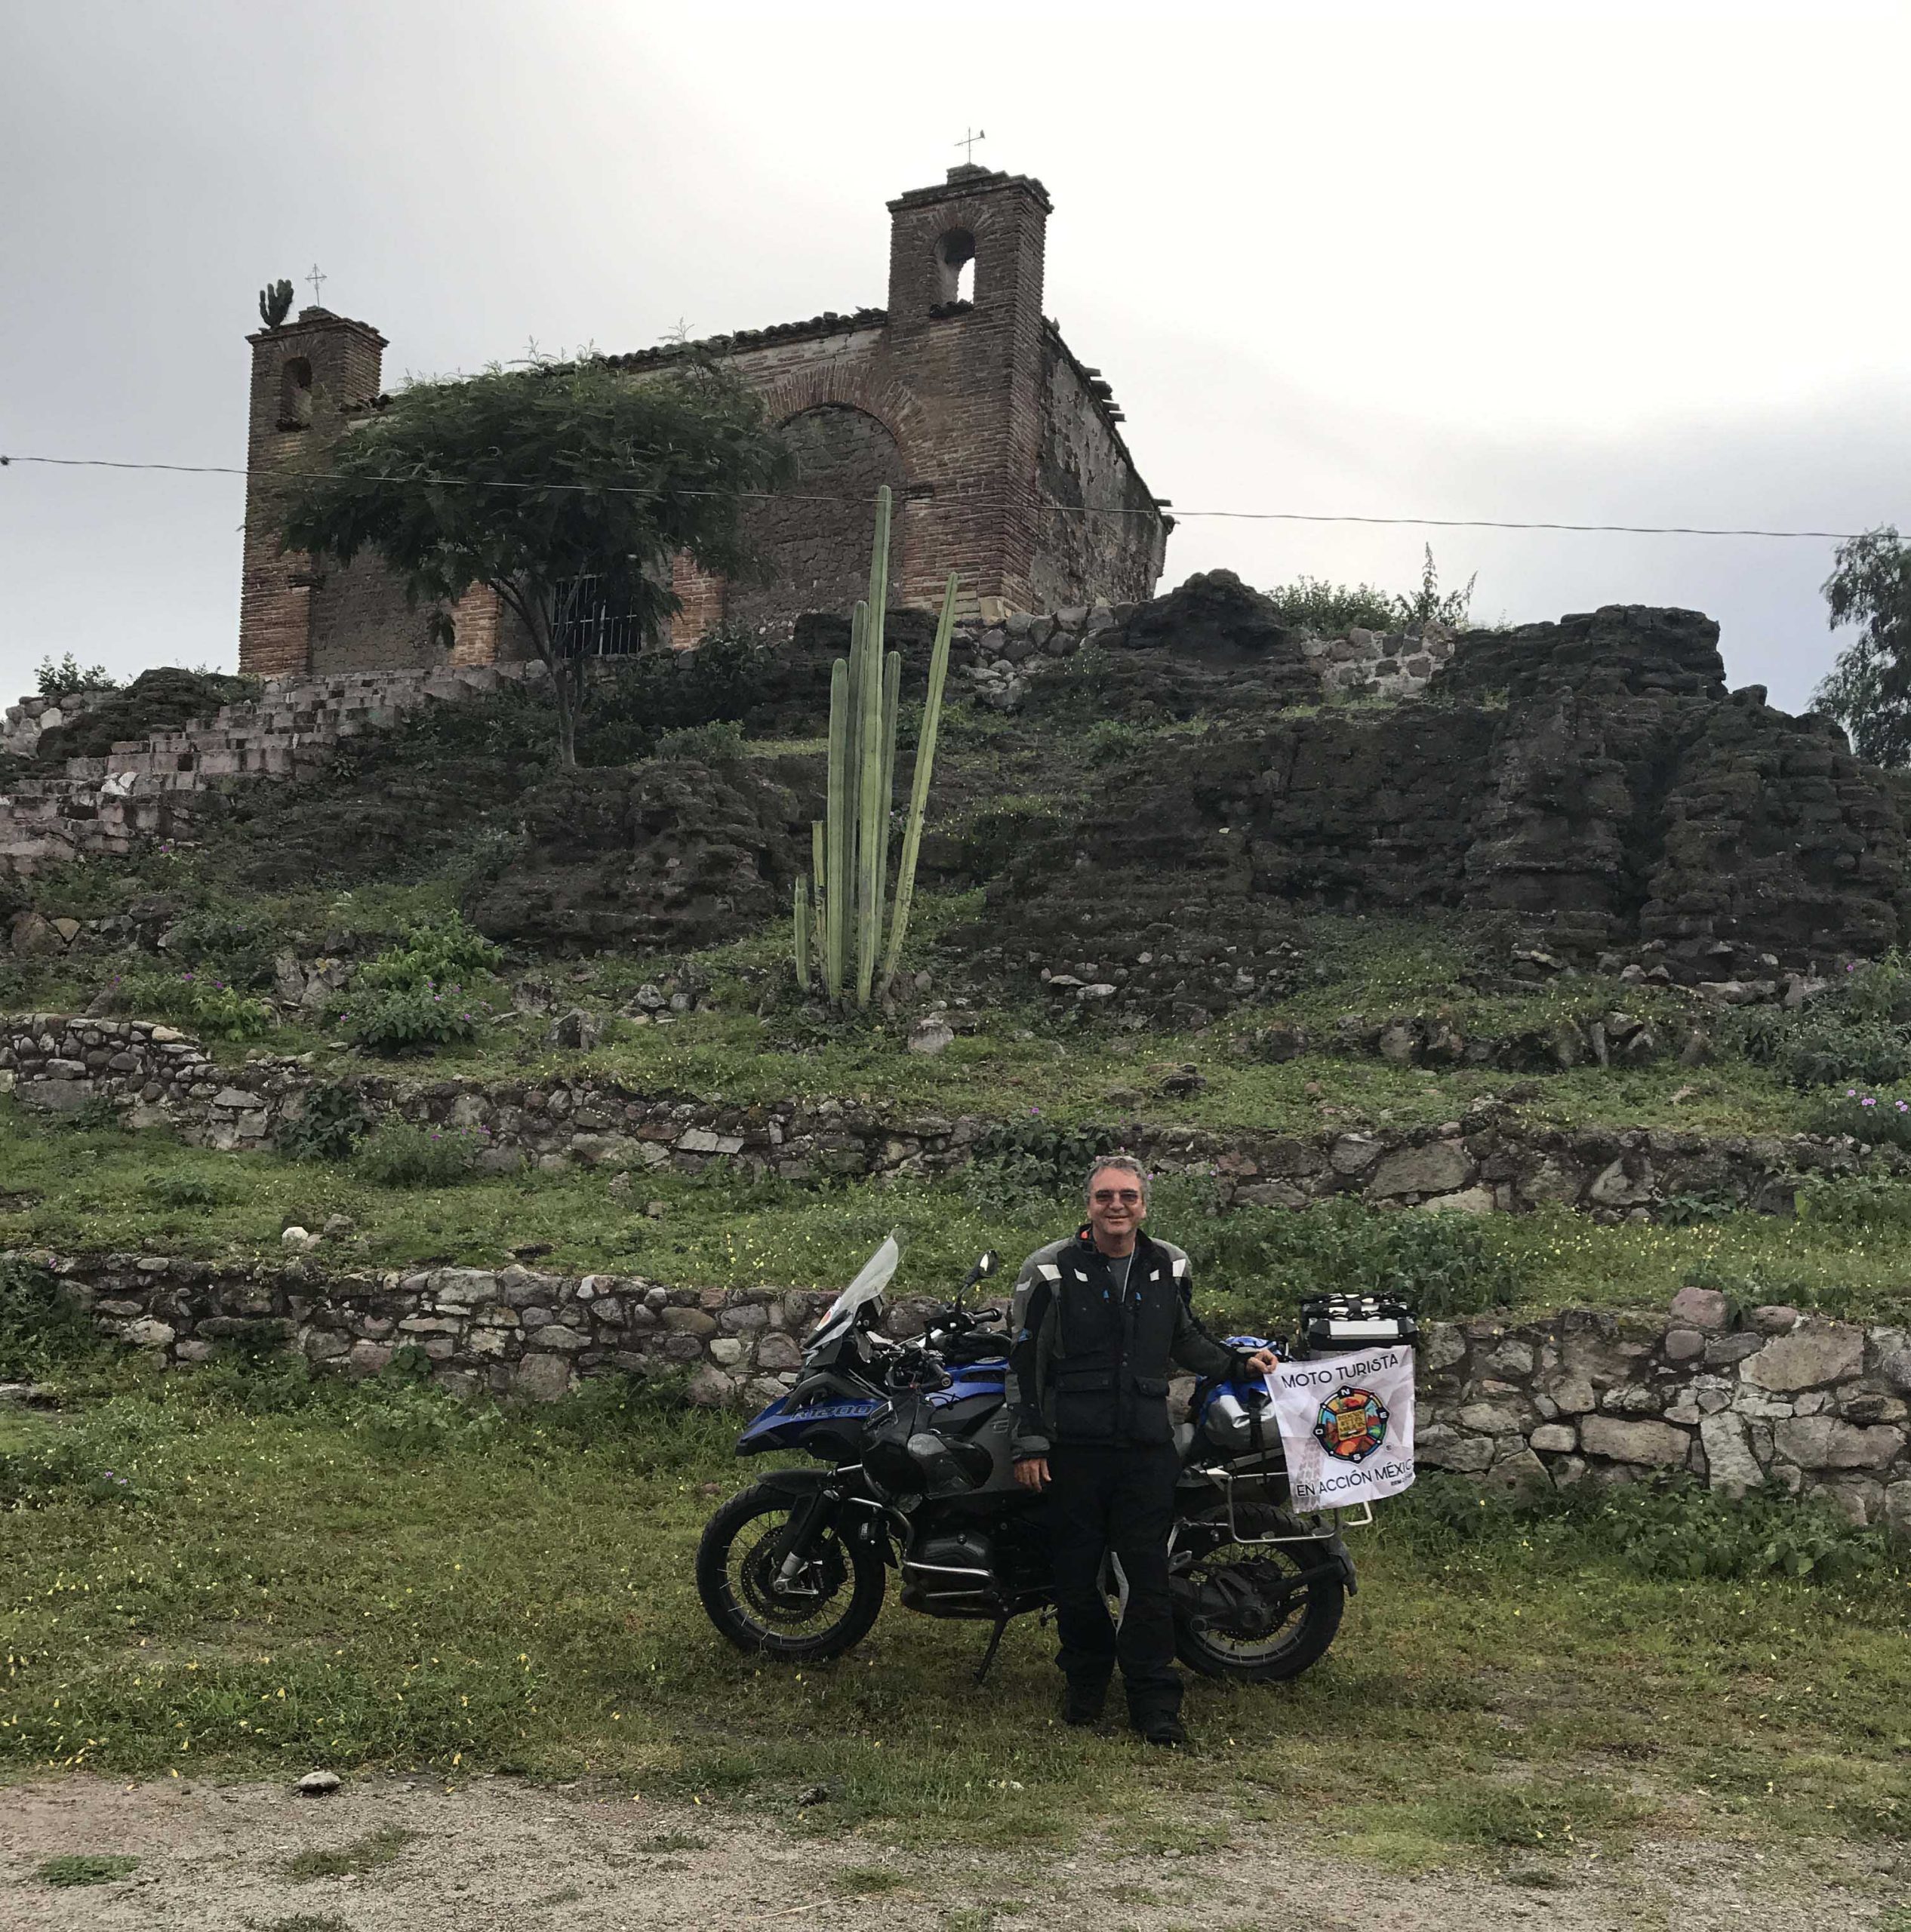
[
  {"x": 100, "y": 806},
  {"x": 1784, "y": 1400},
  {"x": 1491, "y": 1160},
  {"x": 24, "y": 725}
]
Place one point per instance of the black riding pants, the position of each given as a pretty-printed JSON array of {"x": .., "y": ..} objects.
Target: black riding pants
[{"x": 1119, "y": 1498}]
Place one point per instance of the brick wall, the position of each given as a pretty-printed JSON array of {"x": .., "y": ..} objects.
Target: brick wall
[
  {"x": 815, "y": 538},
  {"x": 302, "y": 372},
  {"x": 973, "y": 410},
  {"x": 1100, "y": 535}
]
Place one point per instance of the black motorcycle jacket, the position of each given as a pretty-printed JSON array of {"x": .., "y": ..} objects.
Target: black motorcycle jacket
[{"x": 1088, "y": 1365}]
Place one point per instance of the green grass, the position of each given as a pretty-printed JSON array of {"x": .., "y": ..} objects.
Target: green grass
[
  {"x": 330, "y": 1576},
  {"x": 867, "y": 1880},
  {"x": 109, "y": 1192},
  {"x": 84, "y": 1868},
  {"x": 1019, "y": 1060},
  {"x": 375, "y": 1849}
]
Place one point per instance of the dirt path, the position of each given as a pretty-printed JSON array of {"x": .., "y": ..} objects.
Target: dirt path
[{"x": 501, "y": 1853}]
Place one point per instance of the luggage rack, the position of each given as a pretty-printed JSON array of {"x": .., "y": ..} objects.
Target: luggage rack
[{"x": 1328, "y": 1523}]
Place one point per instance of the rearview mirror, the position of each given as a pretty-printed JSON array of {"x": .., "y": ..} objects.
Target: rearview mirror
[{"x": 987, "y": 1265}]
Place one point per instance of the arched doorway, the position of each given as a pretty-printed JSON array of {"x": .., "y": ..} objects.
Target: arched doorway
[{"x": 812, "y": 540}]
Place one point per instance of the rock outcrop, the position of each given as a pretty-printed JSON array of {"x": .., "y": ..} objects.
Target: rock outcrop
[{"x": 1589, "y": 779}]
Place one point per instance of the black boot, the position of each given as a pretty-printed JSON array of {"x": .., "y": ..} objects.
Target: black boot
[
  {"x": 1083, "y": 1701},
  {"x": 1165, "y": 1730}
]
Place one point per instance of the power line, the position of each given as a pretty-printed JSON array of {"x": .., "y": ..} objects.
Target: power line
[{"x": 1068, "y": 510}]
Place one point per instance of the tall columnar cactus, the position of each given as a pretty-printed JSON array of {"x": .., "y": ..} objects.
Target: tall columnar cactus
[
  {"x": 274, "y": 302},
  {"x": 847, "y": 896}
]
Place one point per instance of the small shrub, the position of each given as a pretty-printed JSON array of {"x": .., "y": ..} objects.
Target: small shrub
[
  {"x": 1268, "y": 1261},
  {"x": 401, "y": 1156},
  {"x": 236, "y": 947},
  {"x": 437, "y": 955},
  {"x": 32, "y": 1478},
  {"x": 1331, "y": 610},
  {"x": 207, "y": 1003},
  {"x": 328, "y": 1127},
  {"x": 1026, "y": 1160},
  {"x": 407, "y": 1417},
  {"x": 413, "y": 996},
  {"x": 1861, "y": 1203},
  {"x": 41, "y": 1327},
  {"x": 1677, "y": 1528},
  {"x": 1858, "y": 1034},
  {"x": 1878, "y": 1120},
  {"x": 254, "y": 1376},
  {"x": 94, "y": 1114},
  {"x": 1686, "y": 1211},
  {"x": 1112, "y": 741},
  {"x": 720, "y": 741},
  {"x": 56, "y": 678},
  {"x": 222, "y": 1012},
  {"x": 414, "y": 1021}
]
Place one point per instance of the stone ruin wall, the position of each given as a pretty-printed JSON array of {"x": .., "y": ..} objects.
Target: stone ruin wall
[
  {"x": 1785, "y": 1401},
  {"x": 103, "y": 807},
  {"x": 1492, "y": 1161}
]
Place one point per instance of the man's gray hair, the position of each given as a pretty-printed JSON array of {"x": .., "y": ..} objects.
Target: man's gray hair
[{"x": 1125, "y": 1164}]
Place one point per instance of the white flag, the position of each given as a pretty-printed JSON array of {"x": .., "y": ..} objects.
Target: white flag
[{"x": 1347, "y": 1426}]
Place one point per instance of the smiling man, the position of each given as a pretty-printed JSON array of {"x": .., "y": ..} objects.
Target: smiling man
[{"x": 1099, "y": 1320}]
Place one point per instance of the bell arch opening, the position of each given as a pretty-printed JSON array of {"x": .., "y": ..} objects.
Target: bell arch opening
[
  {"x": 295, "y": 393},
  {"x": 955, "y": 265}
]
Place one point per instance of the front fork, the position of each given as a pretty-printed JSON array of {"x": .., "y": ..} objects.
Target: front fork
[{"x": 788, "y": 1550}]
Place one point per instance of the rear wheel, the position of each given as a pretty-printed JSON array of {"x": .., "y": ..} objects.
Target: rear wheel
[
  {"x": 1240, "y": 1610},
  {"x": 815, "y": 1607}
]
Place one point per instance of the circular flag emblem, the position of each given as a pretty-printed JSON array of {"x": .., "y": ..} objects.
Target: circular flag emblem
[{"x": 1352, "y": 1425}]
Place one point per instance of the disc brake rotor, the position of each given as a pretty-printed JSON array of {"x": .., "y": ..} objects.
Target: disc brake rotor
[{"x": 799, "y": 1597}]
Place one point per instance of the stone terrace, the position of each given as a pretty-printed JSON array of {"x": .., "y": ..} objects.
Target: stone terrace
[
  {"x": 1491, "y": 1161},
  {"x": 1786, "y": 1400},
  {"x": 99, "y": 806}
]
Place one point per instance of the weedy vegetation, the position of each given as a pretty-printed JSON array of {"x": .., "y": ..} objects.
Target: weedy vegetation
[{"x": 373, "y": 1576}]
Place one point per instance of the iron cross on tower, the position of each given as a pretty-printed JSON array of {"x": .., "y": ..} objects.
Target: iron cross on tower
[
  {"x": 315, "y": 278},
  {"x": 968, "y": 144}
]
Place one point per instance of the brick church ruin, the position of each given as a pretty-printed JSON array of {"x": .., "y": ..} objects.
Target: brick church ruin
[{"x": 1004, "y": 450}]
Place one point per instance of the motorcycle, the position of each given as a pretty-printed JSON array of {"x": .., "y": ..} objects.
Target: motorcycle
[{"x": 917, "y": 1477}]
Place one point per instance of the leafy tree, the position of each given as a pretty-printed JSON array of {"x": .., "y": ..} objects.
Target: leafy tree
[
  {"x": 1869, "y": 691},
  {"x": 561, "y": 486}
]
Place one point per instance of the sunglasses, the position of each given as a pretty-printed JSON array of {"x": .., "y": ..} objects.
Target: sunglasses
[{"x": 1107, "y": 1197}]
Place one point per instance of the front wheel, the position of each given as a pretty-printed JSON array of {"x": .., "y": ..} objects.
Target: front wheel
[
  {"x": 1264, "y": 1612},
  {"x": 799, "y": 1611}
]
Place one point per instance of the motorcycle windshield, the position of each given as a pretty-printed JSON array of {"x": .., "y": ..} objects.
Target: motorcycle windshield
[{"x": 867, "y": 1288}]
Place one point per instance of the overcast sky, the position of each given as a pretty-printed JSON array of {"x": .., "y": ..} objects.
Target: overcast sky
[{"x": 1577, "y": 262}]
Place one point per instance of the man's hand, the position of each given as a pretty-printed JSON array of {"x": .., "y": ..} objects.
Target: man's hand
[
  {"x": 1264, "y": 1362},
  {"x": 1032, "y": 1472}
]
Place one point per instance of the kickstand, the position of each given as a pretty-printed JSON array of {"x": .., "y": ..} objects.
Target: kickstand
[{"x": 995, "y": 1644}]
